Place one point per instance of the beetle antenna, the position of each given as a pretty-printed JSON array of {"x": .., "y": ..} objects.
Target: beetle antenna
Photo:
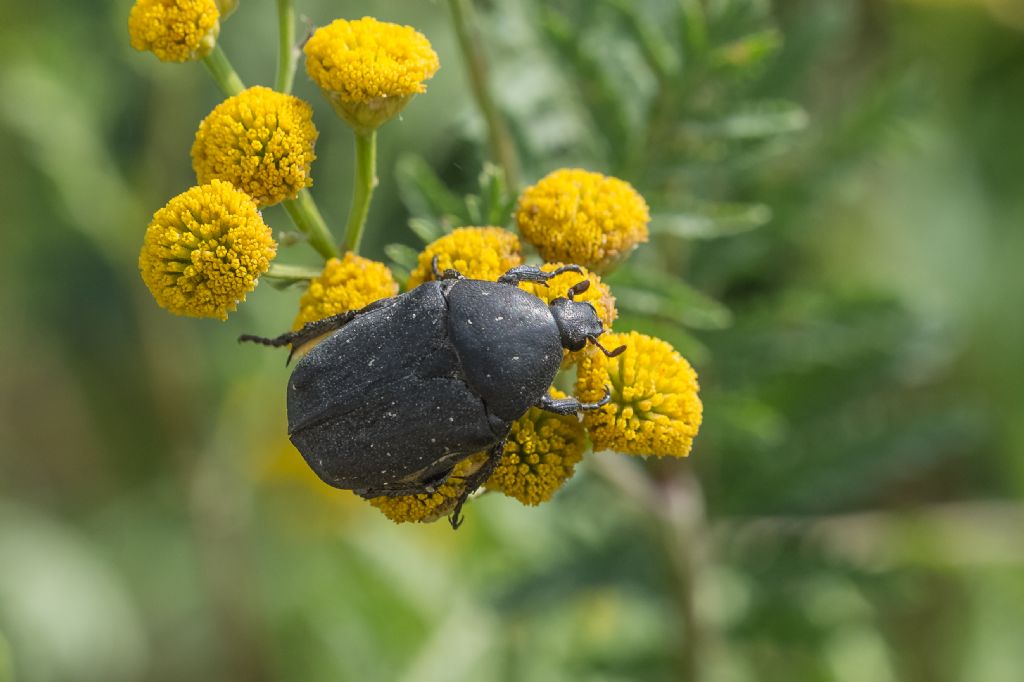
[
  {"x": 578, "y": 288},
  {"x": 609, "y": 353}
]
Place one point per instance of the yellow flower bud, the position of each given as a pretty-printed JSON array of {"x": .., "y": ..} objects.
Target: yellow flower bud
[
  {"x": 476, "y": 252},
  {"x": 428, "y": 507},
  {"x": 205, "y": 250},
  {"x": 174, "y": 30},
  {"x": 540, "y": 455},
  {"x": 369, "y": 69},
  {"x": 260, "y": 141},
  {"x": 576, "y": 216},
  {"x": 347, "y": 283},
  {"x": 654, "y": 407}
]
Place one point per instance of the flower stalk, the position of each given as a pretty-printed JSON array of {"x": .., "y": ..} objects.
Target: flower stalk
[
  {"x": 362, "y": 188},
  {"x": 287, "y": 53},
  {"x": 306, "y": 216},
  {"x": 500, "y": 140},
  {"x": 222, "y": 71}
]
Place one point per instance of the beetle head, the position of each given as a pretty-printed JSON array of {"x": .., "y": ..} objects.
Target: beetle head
[{"x": 578, "y": 321}]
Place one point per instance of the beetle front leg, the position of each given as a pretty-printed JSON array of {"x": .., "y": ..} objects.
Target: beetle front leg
[
  {"x": 477, "y": 479},
  {"x": 572, "y": 405},
  {"x": 531, "y": 273},
  {"x": 316, "y": 329},
  {"x": 449, "y": 273}
]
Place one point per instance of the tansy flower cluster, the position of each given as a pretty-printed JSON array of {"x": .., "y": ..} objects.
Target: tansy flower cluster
[{"x": 208, "y": 247}]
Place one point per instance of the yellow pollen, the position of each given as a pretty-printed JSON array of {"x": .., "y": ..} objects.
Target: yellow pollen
[
  {"x": 174, "y": 30},
  {"x": 476, "y": 252}
]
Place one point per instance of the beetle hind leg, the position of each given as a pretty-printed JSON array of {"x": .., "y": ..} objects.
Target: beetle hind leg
[
  {"x": 314, "y": 330},
  {"x": 477, "y": 479},
  {"x": 571, "y": 405}
]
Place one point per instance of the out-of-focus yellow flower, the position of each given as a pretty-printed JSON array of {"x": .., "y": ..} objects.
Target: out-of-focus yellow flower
[
  {"x": 427, "y": 507},
  {"x": 476, "y": 252},
  {"x": 347, "y": 283},
  {"x": 174, "y": 30},
  {"x": 654, "y": 408},
  {"x": 369, "y": 69},
  {"x": 598, "y": 295},
  {"x": 205, "y": 250},
  {"x": 260, "y": 141},
  {"x": 576, "y": 216},
  {"x": 540, "y": 455}
]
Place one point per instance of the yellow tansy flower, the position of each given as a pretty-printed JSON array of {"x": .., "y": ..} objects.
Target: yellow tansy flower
[
  {"x": 369, "y": 69},
  {"x": 540, "y": 455},
  {"x": 259, "y": 140},
  {"x": 654, "y": 408},
  {"x": 598, "y": 294},
  {"x": 476, "y": 252},
  {"x": 347, "y": 283},
  {"x": 576, "y": 216},
  {"x": 174, "y": 30},
  {"x": 205, "y": 250},
  {"x": 428, "y": 507}
]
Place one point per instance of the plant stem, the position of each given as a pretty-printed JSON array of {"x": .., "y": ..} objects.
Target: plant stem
[
  {"x": 286, "y": 50},
  {"x": 222, "y": 71},
  {"x": 306, "y": 216},
  {"x": 291, "y": 273},
  {"x": 501, "y": 143},
  {"x": 302, "y": 209},
  {"x": 362, "y": 188}
]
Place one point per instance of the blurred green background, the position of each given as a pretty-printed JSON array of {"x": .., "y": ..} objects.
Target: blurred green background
[{"x": 837, "y": 246}]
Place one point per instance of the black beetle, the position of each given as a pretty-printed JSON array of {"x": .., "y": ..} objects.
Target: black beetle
[{"x": 405, "y": 388}]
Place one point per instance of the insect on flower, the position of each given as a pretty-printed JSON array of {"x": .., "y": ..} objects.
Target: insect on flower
[{"x": 408, "y": 387}]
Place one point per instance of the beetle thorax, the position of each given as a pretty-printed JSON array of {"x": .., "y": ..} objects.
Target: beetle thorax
[{"x": 577, "y": 321}]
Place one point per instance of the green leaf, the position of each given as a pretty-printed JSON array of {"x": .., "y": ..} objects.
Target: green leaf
[
  {"x": 657, "y": 50},
  {"x": 712, "y": 221},
  {"x": 426, "y": 230},
  {"x": 659, "y": 294},
  {"x": 474, "y": 209},
  {"x": 749, "y": 52},
  {"x": 403, "y": 255},
  {"x": 422, "y": 192},
  {"x": 762, "y": 119},
  {"x": 495, "y": 195}
]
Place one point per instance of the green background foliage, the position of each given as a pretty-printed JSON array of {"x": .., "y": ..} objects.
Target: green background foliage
[{"x": 836, "y": 245}]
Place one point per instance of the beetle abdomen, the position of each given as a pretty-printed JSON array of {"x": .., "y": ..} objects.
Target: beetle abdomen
[
  {"x": 383, "y": 400},
  {"x": 508, "y": 344}
]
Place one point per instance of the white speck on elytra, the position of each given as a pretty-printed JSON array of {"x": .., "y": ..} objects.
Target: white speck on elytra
[
  {"x": 433, "y": 440},
  {"x": 370, "y": 363},
  {"x": 499, "y": 319},
  {"x": 451, "y": 419},
  {"x": 515, "y": 357},
  {"x": 469, "y": 320}
]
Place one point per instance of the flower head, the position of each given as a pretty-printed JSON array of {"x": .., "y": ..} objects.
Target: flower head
[
  {"x": 580, "y": 217},
  {"x": 654, "y": 408},
  {"x": 369, "y": 69},
  {"x": 259, "y": 140},
  {"x": 347, "y": 283},
  {"x": 598, "y": 295},
  {"x": 174, "y": 30},
  {"x": 540, "y": 455},
  {"x": 205, "y": 250},
  {"x": 427, "y": 507},
  {"x": 476, "y": 252}
]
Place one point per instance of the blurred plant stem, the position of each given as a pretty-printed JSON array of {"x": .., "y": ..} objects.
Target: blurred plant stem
[
  {"x": 220, "y": 68},
  {"x": 363, "y": 184},
  {"x": 287, "y": 51},
  {"x": 500, "y": 140},
  {"x": 303, "y": 209},
  {"x": 306, "y": 216},
  {"x": 291, "y": 273},
  {"x": 676, "y": 508}
]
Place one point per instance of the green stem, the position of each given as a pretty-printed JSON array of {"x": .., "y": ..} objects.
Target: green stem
[
  {"x": 362, "y": 188},
  {"x": 287, "y": 52},
  {"x": 222, "y": 71},
  {"x": 307, "y": 218},
  {"x": 291, "y": 273},
  {"x": 501, "y": 143}
]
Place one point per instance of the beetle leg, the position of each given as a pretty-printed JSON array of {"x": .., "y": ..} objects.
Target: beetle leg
[
  {"x": 449, "y": 273},
  {"x": 316, "y": 329},
  {"x": 531, "y": 273},
  {"x": 477, "y": 479},
  {"x": 571, "y": 405}
]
